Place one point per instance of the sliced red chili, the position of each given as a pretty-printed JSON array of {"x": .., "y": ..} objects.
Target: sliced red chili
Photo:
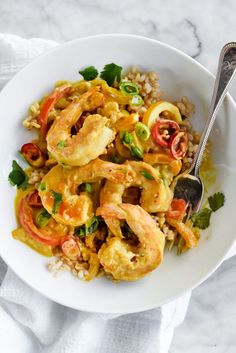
[
  {"x": 26, "y": 221},
  {"x": 33, "y": 155},
  {"x": 34, "y": 199},
  {"x": 177, "y": 209},
  {"x": 49, "y": 104},
  {"x": 163, "y": 130},
  {"x": 179, "y": 145}
]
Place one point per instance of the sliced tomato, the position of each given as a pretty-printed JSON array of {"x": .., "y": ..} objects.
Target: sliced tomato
[
  {"x": 70, "y": 248},
  {"x": 34, "y": 199},
  {"x": 33, "y": 155},
  {"x": 177, "y": 209},
  {"x": 27, "y": 223},
  {"x": 49, "y": 104},
  {"x": 163, "y": 130},
  {"x": 179, "y": 145}
]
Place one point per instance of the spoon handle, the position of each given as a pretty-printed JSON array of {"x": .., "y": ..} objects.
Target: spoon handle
[{"x": 225, "y": 73}]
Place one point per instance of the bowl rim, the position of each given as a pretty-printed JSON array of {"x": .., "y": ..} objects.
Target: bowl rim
[{"x": 178, "y": 52}]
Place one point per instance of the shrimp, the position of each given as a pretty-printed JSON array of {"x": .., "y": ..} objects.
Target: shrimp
[
  {"x": 76, "y": 209},
  {"x": 90, "y": 141},
  {"x": 175, "y": 165},
  {"x": 112, "y": 193},
  {"x": 128, "y": 262},
  {"x": 185, "y": 231},
  {"x": 156, "y": 196}
]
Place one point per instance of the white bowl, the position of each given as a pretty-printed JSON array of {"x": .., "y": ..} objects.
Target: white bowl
[{"x": 179, "y": 75}]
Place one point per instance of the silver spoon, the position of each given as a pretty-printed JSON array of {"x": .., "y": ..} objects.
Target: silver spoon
[{"x": 189, "y": 185}]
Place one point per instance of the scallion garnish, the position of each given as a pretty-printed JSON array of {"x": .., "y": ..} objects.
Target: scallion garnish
[
  {"x": 142, "y": 131},
  {"x": 129, "y": 88}
]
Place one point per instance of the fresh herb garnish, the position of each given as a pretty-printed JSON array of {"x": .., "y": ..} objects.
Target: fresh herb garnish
[
  {"x": 18, "y": 177},
  {"x": 202, "y": 219},
  {"x": 136, "y": 152},
  {"x": 111, "y": 73},
  {"x": 136, "y": 100},
  {"x": 116, "y": 159},
  {"x": 89, "y": 73},
  {"x": 128, "y": 140},
  {"x": 86, "y": 187},
  {"x": 142, "y": 131},
  {"x": 216, "y": 201},
  {"x": 42, "y": 218},
  {"x": 129, "y": 88},
  {"x": 61, "y": 144},
  {"x": 88, "y": 228},
  {"x": 57, "y": 201},
  {"x": 126, "y": 137},
  {"x": 42, "y": 186},
  {"x": 80, "y": 231},
  {"x": 146, "y": 175}
]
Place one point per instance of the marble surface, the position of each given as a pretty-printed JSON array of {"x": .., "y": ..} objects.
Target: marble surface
[{"x": 198, "y": 28}]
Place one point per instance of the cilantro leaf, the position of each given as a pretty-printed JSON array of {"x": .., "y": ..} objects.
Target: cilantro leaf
[
  {"x": 42, "y": 218},
  {"x": 216, "y": 201},
  {"x": 90, "y": 227},
  {"x": 111, "y": 73},
  {"x": 18, "y": 177},
  {"x": 202, "y": 219},
  {"x": 57, "y": 201},
  {"x": 89, "y": 73},
  {"x": 61, "y": 144},
  {"x": 86, "y": 187}
]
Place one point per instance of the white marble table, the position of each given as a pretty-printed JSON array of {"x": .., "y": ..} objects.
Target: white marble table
[{"x": 198, "y": 28}]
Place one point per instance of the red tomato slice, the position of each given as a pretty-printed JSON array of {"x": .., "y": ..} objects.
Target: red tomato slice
[
  {"x": 163, "y": 130},
  {"x": 33, "y": 155},
  {"x": 179, "y": 145},
  {"x": 49, "y": 103},
  {"x": 177, "y": 209},
  {"x": 27, "y": 223}
]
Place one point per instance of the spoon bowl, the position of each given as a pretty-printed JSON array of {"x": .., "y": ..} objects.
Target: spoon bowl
[{"x": 191, "y": 189}]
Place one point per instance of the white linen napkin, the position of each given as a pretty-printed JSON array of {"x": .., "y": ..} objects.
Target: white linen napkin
[{"x": 31, "y": 323}]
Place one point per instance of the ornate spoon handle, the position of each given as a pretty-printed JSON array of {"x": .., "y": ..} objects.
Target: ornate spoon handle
[{"x": 225, "y": 73}]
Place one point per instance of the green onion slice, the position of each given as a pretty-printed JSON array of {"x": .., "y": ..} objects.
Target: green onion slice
[
  {"x": 136, "y": 100},
  {"x": 129, "y": 88},
  {"x": 126, "y": 137},
  {"x": 146, "y": 175},
  {"x": 136, "y": 152},
  {"x": 87, "y": 187},
  {"x": 42, "y": 186},
  {"x": 142, "y": 131},
  {"x": 61, "y": 144}
]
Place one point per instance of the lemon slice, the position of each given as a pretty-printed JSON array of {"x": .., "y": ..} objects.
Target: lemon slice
[{"x": 154, "y": 111}]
